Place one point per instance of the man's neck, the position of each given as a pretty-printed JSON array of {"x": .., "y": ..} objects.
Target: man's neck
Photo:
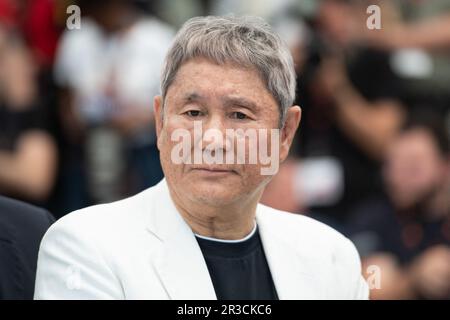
[{"x": 229, "y": 222}]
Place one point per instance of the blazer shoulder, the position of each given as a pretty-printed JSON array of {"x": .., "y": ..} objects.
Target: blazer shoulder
[
  {"x": 106, "y": 220},
  {"x": 293, "y": 225},
  {"x": 321, "y": 246}
]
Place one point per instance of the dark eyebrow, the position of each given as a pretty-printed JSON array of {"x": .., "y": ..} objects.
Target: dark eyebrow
[
  {"x": 239, "y": 101},
  {"x": 193, "y": 96}
]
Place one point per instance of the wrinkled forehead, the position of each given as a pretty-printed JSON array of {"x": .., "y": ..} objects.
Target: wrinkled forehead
[{"x": 200, "y": 79}]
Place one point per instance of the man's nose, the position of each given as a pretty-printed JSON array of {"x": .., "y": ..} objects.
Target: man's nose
[
  {"x": 215, "y": 122},
  {"x": 214, "y": 132}
]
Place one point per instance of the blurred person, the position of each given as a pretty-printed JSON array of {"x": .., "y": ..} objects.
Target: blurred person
[
  {"x": 370, "y": 125},
  {"x": 200, "y": 233},
  {"x": 22, "y": 227},
  {"x": 106, "y": 72},
  {"x": 351, "y": 109},
  {"x": 364, "y": 109},
  {"x": 407, "y": 233},
  {"x": 28, "y": 155}
]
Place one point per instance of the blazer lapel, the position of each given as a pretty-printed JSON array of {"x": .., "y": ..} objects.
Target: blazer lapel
[
  {"x": 292, "y": 273},
  {"x": 182, "y": 268},
  {"x": 180, "y": 263}
]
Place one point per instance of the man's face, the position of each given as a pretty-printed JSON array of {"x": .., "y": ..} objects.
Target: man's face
[
  {"x": 219, "y": 97},
  {"x": 414, "y": 168}
]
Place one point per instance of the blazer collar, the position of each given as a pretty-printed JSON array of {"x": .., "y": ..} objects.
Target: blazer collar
[
  {"x": 180, "y": 263},
  {"x": 293, "y": 271},
  {"x": 182, "y": 268}
]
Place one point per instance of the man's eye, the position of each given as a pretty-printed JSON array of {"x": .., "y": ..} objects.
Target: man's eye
[
  {"x": 239, "y": 115},
  {"x": 193, "y": 113}
]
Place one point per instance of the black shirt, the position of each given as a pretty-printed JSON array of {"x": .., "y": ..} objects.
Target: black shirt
[{"x": 239, "y": 270}]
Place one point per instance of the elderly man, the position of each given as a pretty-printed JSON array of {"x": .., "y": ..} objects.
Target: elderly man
[{"x": 200, "y": 233}]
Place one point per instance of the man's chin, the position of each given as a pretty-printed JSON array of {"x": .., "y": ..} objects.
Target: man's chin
[{"x": 214, "y": 195}]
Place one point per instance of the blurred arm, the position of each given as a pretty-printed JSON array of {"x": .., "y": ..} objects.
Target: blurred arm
[
  {"x": 428, "y": 275},
  {"x": 370, "y": 125},
  {"x": 394, "y": 283},
  {"x": 428, "y": 34},
  {"x": 31, "y": 169},
  {"x": 433, "y": 33}
]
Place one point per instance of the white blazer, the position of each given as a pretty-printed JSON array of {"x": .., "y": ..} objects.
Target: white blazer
[{"x": 141, "y": 248}]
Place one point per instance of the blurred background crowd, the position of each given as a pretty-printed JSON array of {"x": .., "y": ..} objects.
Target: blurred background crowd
[{"x": 371, "y": 157}]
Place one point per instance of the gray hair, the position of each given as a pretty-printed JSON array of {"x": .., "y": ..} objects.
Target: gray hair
[{"x": 243, "y": 41}]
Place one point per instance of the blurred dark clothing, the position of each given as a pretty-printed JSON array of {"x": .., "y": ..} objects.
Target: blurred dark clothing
[
  {"x": 377, "y": 228},
  {"x": 22, "y": 227},
  {"x": 14, "y": 123},
  {"x": 320, "y": 135},
  {"x": 371, "y": 74}
]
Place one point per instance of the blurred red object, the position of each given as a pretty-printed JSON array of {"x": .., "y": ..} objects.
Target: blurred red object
[
  {"x": 40, "y": 30},
  {"x": 35, "y": 21},
  {"x": 9, "y": 13}
]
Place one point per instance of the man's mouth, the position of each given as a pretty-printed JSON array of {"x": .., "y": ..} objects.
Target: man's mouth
[{"x": 214, "y": 169}]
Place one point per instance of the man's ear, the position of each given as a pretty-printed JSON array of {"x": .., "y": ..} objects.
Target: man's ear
[
  {"x": 291, "y": 123},
  {"x": 158, "y": 109}
]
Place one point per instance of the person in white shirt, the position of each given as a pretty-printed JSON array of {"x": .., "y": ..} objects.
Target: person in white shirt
[{"x": 107, "y": 72}]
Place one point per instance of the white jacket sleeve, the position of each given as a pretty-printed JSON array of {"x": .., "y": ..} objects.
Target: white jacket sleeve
[
  {"x": 359, "y": 290},
  {"x": 70, "y": 266}
]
